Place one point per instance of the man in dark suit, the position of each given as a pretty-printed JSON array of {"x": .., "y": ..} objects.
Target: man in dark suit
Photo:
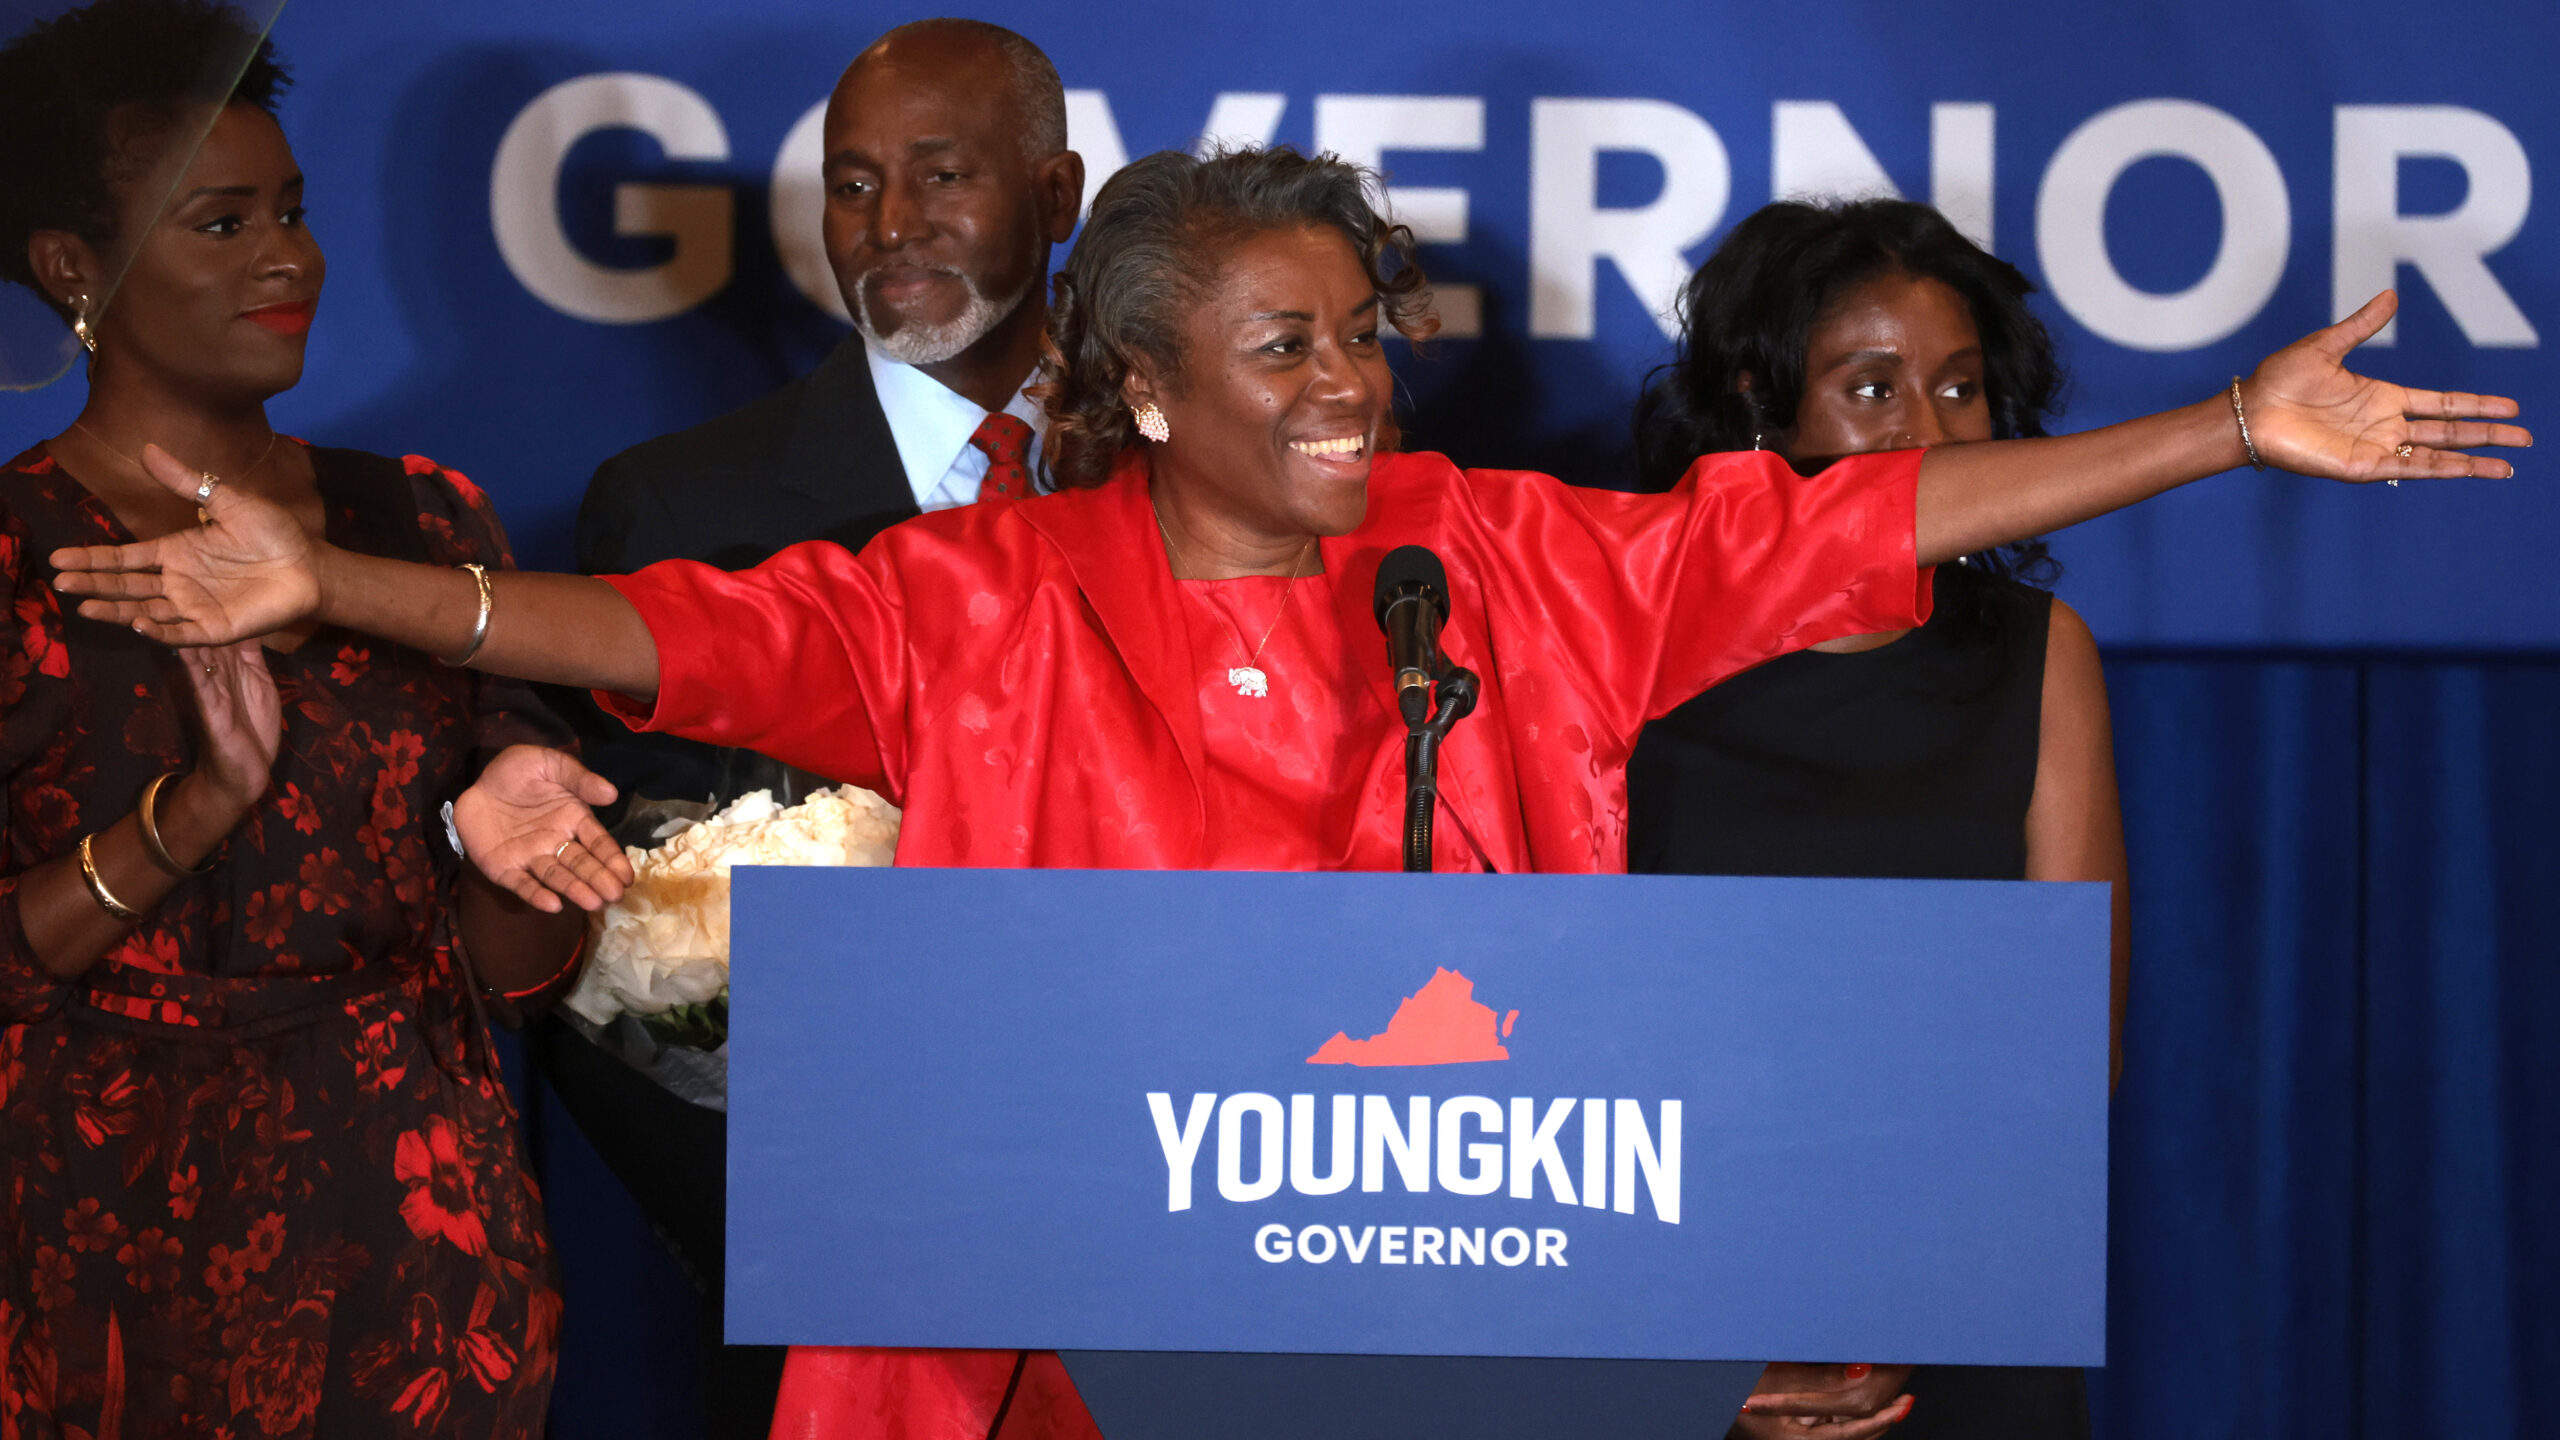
[{"x": 948, "y": 181}]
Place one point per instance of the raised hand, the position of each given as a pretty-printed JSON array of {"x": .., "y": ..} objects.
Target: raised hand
[
  {"x": 529, "y": 823},
  {"x": 1825, "y": 1402},
  {"x": 241, "y": 717},
  {"x": 249, "y": 571},
  {"x": 2309, "y": 414}
]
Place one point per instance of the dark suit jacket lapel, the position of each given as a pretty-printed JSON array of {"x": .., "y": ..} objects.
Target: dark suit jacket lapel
[{"x": 840, "y": 450}]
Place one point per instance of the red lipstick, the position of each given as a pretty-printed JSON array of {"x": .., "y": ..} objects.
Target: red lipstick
[{"x": 291, "y": 317}]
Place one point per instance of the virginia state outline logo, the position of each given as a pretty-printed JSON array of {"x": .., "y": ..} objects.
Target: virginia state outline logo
[{"x": 1440, "y": 1024}]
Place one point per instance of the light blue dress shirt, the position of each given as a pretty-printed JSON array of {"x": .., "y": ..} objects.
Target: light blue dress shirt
[{"x": 932, "y": 423}]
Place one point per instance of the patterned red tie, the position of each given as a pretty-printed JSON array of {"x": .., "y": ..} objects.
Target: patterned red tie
[{"x": 1006, "y": 440}]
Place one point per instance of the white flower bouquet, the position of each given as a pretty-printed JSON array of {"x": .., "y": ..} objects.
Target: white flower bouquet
[{"x": 660, "y": 954}]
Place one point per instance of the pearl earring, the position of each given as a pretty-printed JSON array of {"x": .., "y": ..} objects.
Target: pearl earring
[{"x": 1151, "y": 422}]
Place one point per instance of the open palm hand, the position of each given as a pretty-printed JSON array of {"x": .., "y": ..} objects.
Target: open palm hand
[
  {"x": 2309, "y": 414},
  {"x": 1825, "y": 1402},
  {"x": 530, "y": 824},
  {"x": 250, "y": 570}
]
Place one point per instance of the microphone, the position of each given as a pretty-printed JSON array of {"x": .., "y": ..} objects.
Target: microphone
[{"x": 1412, "y": 604}]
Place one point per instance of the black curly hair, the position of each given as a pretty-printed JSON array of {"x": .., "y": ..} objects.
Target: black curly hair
[
  {"x": 1750, "y": 308},
  {"x": 1150, "y": 250},
  {"x": 83, "y": 94}
]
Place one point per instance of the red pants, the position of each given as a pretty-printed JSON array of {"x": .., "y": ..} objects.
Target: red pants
[{"x": 871, "y": 1394}]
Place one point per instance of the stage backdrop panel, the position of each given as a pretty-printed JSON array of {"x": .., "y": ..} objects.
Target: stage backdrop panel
[
  {"x": 559, "y": 229},
  {"x": 1643, "y": 1118}
]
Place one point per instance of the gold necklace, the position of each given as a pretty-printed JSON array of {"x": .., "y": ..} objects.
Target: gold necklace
[
  {"x": 1248, "y": 678},
  {"x": 202, "y": 518}
]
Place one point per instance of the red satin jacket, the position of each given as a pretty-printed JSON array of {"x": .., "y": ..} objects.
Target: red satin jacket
[
  {"x": 1011, "y": 676},
  {"x": 1015, "y": 675}
]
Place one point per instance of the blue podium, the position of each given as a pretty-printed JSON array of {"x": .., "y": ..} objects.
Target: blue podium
[{"x": 1523, "y": 1120}]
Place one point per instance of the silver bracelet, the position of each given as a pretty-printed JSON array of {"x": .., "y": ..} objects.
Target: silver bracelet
[
  {"x": 453, "y": 834},
  {"x": 480, "y": 629},
  {"x": 2238, "y": 413}
]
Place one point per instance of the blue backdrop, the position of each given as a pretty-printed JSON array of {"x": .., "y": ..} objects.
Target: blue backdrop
[
  {"x": 2331, "y": 1145},
  {"x": 2191, "y": 181}
]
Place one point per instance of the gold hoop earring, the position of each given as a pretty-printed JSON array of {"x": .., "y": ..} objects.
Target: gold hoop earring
[
  {"x": 80, "y": 323},
  {"x": 1151, "y": 422}
]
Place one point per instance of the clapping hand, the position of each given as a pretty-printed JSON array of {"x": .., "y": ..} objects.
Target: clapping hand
[
  {"x": 1825, "y": 1402},
  {"x": 2311, "y": 415},
  {"x": 250, "y": 570},
  {"x": 529, "y": 824},
  {"x": 241, "y": 717}
]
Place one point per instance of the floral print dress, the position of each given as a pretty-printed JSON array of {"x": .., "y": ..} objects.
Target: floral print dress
[{"x": 258, "y": 1173}]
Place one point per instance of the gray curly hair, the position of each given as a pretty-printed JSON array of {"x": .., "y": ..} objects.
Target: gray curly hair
[{"x": 1151, "y": 251}]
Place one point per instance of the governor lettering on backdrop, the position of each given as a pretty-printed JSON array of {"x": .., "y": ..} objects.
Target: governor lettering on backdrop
[
  {"x": 631, "y": 195},
  {"x": 1536, "y": 1116}
]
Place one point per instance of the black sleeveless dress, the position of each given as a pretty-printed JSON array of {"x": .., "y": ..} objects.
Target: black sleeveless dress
[{"x": 1912, "y": 761}]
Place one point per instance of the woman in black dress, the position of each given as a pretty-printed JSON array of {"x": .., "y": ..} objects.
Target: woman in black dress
[
  {"x": 258, "y": 1172},
  {"x": 1975, "y": 747}
]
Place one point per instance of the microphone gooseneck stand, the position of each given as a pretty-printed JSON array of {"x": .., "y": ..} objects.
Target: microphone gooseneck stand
[
  {"x": 1454, "y": 694},
  {"x": 1412, "y": 604}
]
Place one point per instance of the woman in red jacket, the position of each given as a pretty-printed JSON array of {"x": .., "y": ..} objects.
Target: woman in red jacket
[{"x": 1170, "y": 662}]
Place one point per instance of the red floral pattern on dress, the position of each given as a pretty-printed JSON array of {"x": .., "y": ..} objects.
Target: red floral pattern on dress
[
  {"x": 92, "y": 1227},
  {"x": 186, "y": 1191},
  {"x": 39, "y": 618},
  {"x": 441, "y": 1204},
  {"x": 259, "y": 1175},
  {"x": 150, "y": 1260},
  {"x": 299, "y": 808},
  {"x": 326, "y": 885},
  {"x": 279, "y": 1379},
  {"x": 53, "y": 807},
  {"x": 155, "y": 952},
  {"x": 226, "y": 1270},
  {"x": 270, "y": 916}
]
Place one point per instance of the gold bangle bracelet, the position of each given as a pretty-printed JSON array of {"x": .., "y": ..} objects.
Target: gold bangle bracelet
[
  {"x": 123, "y": 913},
  {"x": 152, "y": 844},
  {"x": 480, "y": 629}
]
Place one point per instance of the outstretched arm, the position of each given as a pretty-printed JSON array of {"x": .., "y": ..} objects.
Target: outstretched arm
[
  {"x": 2307, "y": 413},
  {"x": 560, "y": 629},
  {"x": 251, "y": 570}
]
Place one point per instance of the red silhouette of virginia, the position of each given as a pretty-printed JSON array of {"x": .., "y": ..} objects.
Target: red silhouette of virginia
[{"x": 1440, "y": 1024}]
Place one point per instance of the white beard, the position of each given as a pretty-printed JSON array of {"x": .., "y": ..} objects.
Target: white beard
[{"x": 917, "y": 343}]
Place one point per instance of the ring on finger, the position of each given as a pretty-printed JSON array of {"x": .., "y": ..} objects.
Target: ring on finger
[
  {"x": 564, "y": 848},
  {"x": 2405, "y": 450}
]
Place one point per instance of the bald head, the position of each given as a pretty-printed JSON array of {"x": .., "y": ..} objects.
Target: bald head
[
  {"x": 966, "y": 55},
  {"x": 948, "y": 179}
]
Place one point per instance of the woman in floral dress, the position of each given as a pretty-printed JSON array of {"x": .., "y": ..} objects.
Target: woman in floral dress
[{"x": 258, "y": 1173}]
